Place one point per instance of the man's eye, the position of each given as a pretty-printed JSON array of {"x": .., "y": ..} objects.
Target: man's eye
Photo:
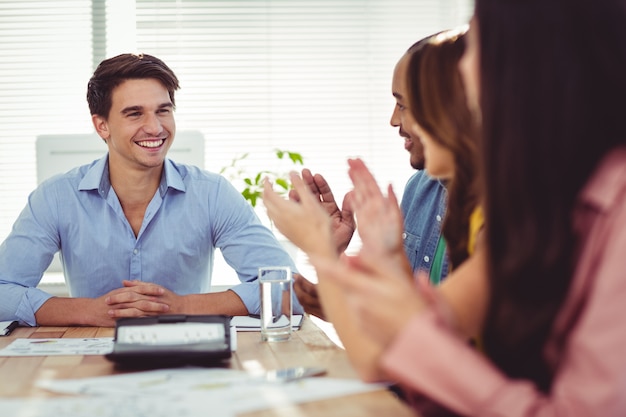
[
  {"x": 164, "y": 111},
  {"x": 134, "y": 114},
  {"x": 400, "y": 106}
]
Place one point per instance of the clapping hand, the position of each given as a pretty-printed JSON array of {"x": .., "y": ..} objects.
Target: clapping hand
[{"x": 342, "y": 221}]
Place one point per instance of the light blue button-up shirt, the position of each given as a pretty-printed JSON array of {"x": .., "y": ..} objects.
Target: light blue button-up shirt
[{"x": 192, "y": 213}]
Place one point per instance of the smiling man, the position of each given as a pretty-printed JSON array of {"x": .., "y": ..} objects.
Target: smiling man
[{"x": 136, "y": 231}]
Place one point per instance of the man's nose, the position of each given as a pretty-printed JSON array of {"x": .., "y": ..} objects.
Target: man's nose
[{"x": 153, "y": 124}]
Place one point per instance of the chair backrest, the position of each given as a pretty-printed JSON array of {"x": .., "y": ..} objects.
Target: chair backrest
[
  {"x": 60, "y": 153},
  {"x": 57, "y": 154}
]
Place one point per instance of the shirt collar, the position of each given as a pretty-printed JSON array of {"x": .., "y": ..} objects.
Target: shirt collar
[{"x": 97, "y": 178}]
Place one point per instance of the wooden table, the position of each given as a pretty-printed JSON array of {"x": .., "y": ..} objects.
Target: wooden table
[{"x": 308, "y": 347}]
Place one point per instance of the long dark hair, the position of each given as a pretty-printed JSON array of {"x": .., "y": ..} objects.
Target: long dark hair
[
  {"x": 553, "y": 100},
  {"x": 438, "y": 104}
]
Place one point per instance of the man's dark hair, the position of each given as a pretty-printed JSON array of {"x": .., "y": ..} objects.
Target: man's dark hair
[{"x": 114, "y": 71}]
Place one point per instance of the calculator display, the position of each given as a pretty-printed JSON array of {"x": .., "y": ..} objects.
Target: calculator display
[{"x": 171, "y": 333}]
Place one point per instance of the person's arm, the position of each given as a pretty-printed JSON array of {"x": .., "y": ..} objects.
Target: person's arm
[
  {"x": 588, "y": 382},
  {"x": 136, "y": 299},
  {"x": 466, "y": 294},
  {"x": 304, "y": 222},
  {"x": 379, "y": 218},
  {"x": 24, "y": 256},
  {"x": 307, "y": 294},
  {"x": 590, "y": 366},
  {"x": 307, "y": 225},
  {"x": 343, "y": 226},
  {"x": 342, "y": 221}
]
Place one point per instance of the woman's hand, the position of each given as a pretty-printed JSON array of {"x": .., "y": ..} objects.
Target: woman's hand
[
  {"x": 379, "y": 218},
  {"x": 304, "y": 222},
  {"x": 378, "y": 297},
  {"x": 342, "y": 221}
]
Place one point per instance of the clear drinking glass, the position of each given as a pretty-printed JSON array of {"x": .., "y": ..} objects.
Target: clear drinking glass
[{"x": 276, "y": 309}]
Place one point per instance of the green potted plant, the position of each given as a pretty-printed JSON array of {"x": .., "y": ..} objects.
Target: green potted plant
[{"x": 253, "y": 181}]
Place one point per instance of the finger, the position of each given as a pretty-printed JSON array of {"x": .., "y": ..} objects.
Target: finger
[
  {"x": 293, "y": 195},
  {"x": 324, "y": 189},
  {"x": 271, "y": 200},
  {"x": 426, "y": 290},
  {"x": 365, "y": 186},
  {"x": 309, "y": 180},
  {"x": 307, "y": 197},
  {"x": 145, "y": 306},
  {"x": 347, "y": 206},
  {"x": 133, "y": 312},
  {"x": 144, "y": 288},
  {"x": 392, "y": 196},
  {"x": 130, "y": 297}
]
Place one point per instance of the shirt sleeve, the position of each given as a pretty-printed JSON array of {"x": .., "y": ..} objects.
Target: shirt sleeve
[
  {"x": 590, "y": 380},
  {"x": 24, "y": 256},
  {"x": 246, "y": 245}
]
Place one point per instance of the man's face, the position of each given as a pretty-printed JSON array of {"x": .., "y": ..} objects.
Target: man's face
[
  {"x": 140, "y": 127},
  {"x": 402, "y": 117}
]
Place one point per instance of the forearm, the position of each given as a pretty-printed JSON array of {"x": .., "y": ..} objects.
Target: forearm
[
  {"x": 466, "y": 292},
  {"x": 224, "y": 302},
  {"x": 61, "y": 311},
  {"x": 362, "y": 351}
]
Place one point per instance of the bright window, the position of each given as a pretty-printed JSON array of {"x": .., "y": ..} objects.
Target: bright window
[{"x": 312, "y": 76}]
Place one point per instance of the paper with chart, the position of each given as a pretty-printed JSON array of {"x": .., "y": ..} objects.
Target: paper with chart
[
  {"x": 229, "y": 392},
  {"x": 57, "y": 347}
]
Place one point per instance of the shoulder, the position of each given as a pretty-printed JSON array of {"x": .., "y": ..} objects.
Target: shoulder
[
  {"x": 421, "y": 180},
  {"x": 421, "y": 186},
  {"x": 200, "y": 182},
  {"x": 194, "y": 177},
  {"x": 606, "y": 189},
  {"x": 72, "y": 179},
  {"x": 194, "y": 173}
]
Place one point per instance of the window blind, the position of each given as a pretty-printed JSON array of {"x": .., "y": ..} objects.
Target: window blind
[{"x": 311, "y": 76}]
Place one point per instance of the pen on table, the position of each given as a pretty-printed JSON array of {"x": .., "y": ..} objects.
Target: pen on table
[{"x": 12, "y": 326}]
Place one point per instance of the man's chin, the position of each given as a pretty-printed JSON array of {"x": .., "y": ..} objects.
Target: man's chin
[{"x": 417, "y": 164}]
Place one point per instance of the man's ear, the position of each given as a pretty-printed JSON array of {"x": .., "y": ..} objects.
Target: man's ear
[{"x": 101, "y": 126}]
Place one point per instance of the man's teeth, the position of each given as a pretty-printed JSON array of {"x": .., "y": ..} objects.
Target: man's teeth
[{"x": 151, "y": 143}]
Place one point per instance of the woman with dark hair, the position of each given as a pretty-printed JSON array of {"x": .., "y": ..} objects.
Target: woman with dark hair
[
  {"x": 439, "y": 106},
  {"x": 545, "y": 79}
]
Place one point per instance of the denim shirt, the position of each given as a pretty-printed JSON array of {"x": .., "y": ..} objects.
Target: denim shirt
[
  {"x": 424, "y": 206},
  {"x": 192, "y": 213}
]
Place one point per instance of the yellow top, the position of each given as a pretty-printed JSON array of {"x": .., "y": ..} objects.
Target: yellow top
[{"x": 476, "y": 223}]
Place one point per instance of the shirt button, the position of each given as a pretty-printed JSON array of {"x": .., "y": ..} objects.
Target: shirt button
[
  {"x": 136, "y": 251},
  {"x": 438, "y": 218},
  {"x": 403, "y": 235},
  {"x": 426, "y": 259}
]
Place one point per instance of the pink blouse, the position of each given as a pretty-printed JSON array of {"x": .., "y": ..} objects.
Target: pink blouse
[{"x": 590, "y": 378}]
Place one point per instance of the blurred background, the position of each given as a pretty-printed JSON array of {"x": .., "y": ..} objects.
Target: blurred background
[{"x": 308, "y": 76}]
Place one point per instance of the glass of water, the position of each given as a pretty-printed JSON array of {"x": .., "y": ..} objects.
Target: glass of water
[{"x": 276, "y": 310}]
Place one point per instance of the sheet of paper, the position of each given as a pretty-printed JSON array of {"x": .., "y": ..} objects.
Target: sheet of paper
[
  {"x": 109, "y": 406},
  {"x": 253, "y": 324},
  {"x": 232, "y": 391},
  {"x": 57, "y": 347}
]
